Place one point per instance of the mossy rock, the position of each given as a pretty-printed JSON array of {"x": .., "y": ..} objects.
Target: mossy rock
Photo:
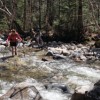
[{"x": 97, "y": 44}]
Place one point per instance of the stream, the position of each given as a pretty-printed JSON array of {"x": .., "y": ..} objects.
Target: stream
[{"x": 64, "y": 71}]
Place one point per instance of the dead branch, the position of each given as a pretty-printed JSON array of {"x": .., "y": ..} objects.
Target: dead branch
[{"x": 5, "y": 9}]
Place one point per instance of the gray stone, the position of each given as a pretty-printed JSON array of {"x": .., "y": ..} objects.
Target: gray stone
[
  {"x": 58, "y": 57},
  {"x": 62, "y": 87},
  {"x": 49, "y": 53},
  {"x": 22, "y": 91}
]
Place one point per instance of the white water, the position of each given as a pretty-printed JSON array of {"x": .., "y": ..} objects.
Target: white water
[{"x": 75, "y": 74}]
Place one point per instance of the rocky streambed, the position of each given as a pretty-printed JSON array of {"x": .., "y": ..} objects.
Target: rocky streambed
[{"x": 56, "y": 71}]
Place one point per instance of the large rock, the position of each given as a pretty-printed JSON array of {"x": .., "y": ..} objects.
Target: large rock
[
  {"x": 49, "y": 53},
  {"x": 78, "y": 96},
  {"x": 57, "y": 86},
  {"x": 22, "y": 91},
  {"x": 58, "y": 57},
  {"x": 93, "y": 94}
]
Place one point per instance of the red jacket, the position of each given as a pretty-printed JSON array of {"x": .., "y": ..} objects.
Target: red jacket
[{"x": 14, "y": 37}]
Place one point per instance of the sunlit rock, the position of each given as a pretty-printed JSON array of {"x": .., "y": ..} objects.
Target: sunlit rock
[
  {"x": 65, "y": 52},
  {"x": 85, "y": 93},
  {"x": 22, "y": 91},
  {"x": 83, "y": 89},
  {"x": 79, "y": 45},
  {"x": 83, "y": 58},
  {"x": 44, "y": 59},
  {"x": 49, "y": 53}
]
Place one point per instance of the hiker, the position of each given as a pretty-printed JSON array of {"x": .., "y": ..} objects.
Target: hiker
[
  {"x": 38, "y": 37},
  {"x": 14, "y": 38}
]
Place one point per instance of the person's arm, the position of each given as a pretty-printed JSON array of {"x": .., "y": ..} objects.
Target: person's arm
[
  {"x": 8, "y": 39},
  {"x": 19, "y": 37}
]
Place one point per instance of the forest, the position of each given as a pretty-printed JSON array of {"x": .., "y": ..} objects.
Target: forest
[{"x": 60, "y": 20}]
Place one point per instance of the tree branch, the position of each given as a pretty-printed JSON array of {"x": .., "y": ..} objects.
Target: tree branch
[
  {"x": 1, "y": 2},
  {"x": 8, "y": 11},
  {"x": 5, "y": 9}
]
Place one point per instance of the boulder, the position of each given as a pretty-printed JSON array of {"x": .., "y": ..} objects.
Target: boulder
[
  {"x": 57, "y": 86},
  {"x": 79, "y": 45},
  {"x": 54, "y": 43},
  {"x": 22, "y": 91},
  {"x": 65, "y": 52},
  {"x": 93, "y": 94},
  {"x": 44, "y": 59},
  {"x": 49, "y": 53},
  {"x": 83, "y": 58},
  {"x": 58, "y": 57},
  {"x": 78, "y": 96}
]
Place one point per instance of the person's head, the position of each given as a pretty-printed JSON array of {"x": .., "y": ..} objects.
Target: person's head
[{"x": 13, "y": 31}]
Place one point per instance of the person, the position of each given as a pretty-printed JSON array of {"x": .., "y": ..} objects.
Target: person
[
  {"x": 13, "y": 38},
  {"x": 38, "y": 37}
]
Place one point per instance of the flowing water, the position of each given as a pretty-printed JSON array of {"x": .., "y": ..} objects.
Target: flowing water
[{"x": 63, "y": 72}]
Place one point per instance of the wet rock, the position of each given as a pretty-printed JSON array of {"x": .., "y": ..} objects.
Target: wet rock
[
  {"x": 79, "y": 45},
  {"x": 49, "y": 53},
  {"x": 77, "y": 59},
  {"x": 83, "y": 58},
  {"x": 93, "y": 94},
  {"x": 54, "y": 43},
  {"x": 59, "y": 42},
  {"x": 58, "y": 57},
  {"x": 97, "y": 83},
  {"x": 57, "y": 86},
  {"x": 83, "y": 89},
  {"x": 72, "y": 48},
  {"x": 44, "y": 59},
  {"x": 78, "y": 96},
  {"x": 65, "y": 52},
  {"x": 22, "y": 91}
]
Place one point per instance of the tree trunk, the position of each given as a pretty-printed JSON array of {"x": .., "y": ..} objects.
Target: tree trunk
[
  {"x": 80, "y": 16},
  {"x": 24, "y": 16},
  {"x": 59, "y": 9},
  {"x": 14, "y": 13},
  {"x": 49, "y": 14},
  {"x": 80, "y": 21},
  {"x": 40, "y": 3},
  {"x": 27, "y": 15}
]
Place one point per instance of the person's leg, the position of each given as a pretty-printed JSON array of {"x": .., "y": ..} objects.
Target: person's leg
[
  {"x": 41, "y": 41},
  {"x": 12, "y": 49},
  {"x": 15, "y": 50},
  {"x": 37, "y": 39}
]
